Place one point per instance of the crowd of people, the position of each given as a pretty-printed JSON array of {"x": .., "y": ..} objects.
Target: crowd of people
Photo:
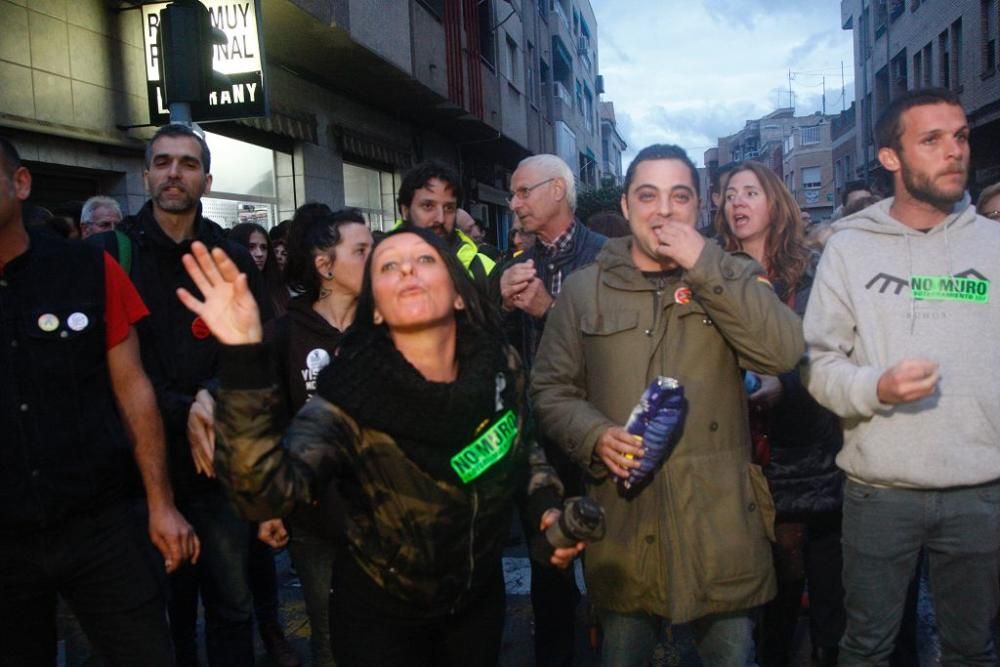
[{"x": 179, "y": 400}]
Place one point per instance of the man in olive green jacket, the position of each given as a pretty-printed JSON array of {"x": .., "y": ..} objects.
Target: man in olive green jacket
[{"x": 692, "y": 545}]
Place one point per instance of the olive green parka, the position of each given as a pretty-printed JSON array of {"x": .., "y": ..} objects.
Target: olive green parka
[{"x": 695, "y": 541}]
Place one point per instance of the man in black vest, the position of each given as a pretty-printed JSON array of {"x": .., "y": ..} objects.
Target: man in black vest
[{"x": 73, "y": 390}]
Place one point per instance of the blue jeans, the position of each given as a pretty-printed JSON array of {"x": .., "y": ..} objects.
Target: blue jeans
[
  {"x": 722, "y": 640},
  {"x": 884, "y": 530},
  {"x": 222, "y": 577}
]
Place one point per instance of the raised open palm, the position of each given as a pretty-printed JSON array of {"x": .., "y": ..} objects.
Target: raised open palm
[{"x": 229, "y": 308}]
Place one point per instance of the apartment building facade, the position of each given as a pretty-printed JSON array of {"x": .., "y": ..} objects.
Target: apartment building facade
[
  {"x": 358, "y": 92},
  {"x": 906, "y": 44},
  {"x": 796, "y": 148},
  {"x": 843, "y": 140},
  {"x": 807, "y": 161},
  {"x": 612, "y": 146}
]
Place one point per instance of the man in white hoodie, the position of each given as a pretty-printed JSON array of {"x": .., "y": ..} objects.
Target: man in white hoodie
[{"x": 902, "y": 344}]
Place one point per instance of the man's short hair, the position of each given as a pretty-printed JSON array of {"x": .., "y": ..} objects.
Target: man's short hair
[
  {"x": 94, "y": 203},
  {"x": 853, "y": 186},
  {"x": 553, "y": 166},
  {"x": 988, "y": 193},
  {"x": 10, "y": 161},
  {"x": 421, "y": 175},
  {"x": 181, "y": 130},
  {"x": 889, "y": 128},
  {"x": 662, "y": 152}
]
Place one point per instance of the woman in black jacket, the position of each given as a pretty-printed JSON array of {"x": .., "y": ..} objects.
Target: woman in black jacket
[
  {"x": 796, "y": 440},
  {"x": 325, "y": 265},
  {"x": 418, "y": 427}
]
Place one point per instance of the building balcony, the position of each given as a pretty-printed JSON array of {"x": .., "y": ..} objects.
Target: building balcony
[
  {"x": 562, "y": 94},
  {"x": 559, "y": 13}
]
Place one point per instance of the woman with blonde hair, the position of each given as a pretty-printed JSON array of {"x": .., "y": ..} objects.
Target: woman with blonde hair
[{"x": 795, "y": 439}]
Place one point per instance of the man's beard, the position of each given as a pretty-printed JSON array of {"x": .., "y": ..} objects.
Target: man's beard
[
  {"x": 175, "y": 205},
  {"x": 438, "y": 230},
  {"x": 923, "y": 188}
]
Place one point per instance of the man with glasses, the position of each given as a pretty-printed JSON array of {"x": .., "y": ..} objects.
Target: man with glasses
[
  {"x": 520, "y": 240},
  {"x": 99, "y": 214},
  {"x": 988, "y": 204},
  {"x": 543, "y": 197}
]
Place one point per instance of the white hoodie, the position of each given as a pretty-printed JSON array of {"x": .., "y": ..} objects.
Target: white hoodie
[{"x": 867, "y": 312}]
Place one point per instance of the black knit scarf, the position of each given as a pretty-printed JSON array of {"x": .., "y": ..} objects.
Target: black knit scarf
[{"x": 430, "y": 421}]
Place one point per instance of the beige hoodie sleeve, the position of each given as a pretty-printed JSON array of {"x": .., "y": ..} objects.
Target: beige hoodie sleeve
[{"x": 833, "y": 376}]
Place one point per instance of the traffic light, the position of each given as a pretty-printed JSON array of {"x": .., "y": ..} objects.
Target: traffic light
[{"x": 186, "y": 42}]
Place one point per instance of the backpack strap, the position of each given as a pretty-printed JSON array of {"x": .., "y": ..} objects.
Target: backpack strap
[
  {"x": 124, "y": 254},
  {"x": 478, "y": 271}
]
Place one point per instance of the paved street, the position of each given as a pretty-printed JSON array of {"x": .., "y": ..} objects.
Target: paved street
[{"x": 517, "y": 650}]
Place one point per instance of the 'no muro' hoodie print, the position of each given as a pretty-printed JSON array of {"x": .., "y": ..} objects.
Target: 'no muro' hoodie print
[{"x": 883, "y": 293}]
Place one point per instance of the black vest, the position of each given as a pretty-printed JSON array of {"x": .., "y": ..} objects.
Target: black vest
[{"x": 62, "y": 445}]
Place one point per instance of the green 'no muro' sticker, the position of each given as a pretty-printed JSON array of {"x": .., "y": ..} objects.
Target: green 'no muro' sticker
[
  {"x": 487, "y": 449},
  {"x": 950, "y": 288}
]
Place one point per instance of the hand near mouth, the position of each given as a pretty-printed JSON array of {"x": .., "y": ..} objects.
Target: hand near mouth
[{"x": 680, "y": 243}]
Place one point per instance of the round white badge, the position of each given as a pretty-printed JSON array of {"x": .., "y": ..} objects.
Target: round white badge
[
  {"x": 77, "y": 321},
  {"x": 48, "y": 322},
  {"x": 317, "y": 360}
]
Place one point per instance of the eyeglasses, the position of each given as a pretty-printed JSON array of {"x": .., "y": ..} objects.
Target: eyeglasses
[
  {"x": 992, "y": 215},
  {"x": 524, "y": 192}
]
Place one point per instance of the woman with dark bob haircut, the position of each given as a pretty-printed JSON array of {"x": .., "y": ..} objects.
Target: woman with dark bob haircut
[
  {"x": 795, "y": 439},
  {"x": 417, "y": 431},
  {"x": 325, "y": 264}
]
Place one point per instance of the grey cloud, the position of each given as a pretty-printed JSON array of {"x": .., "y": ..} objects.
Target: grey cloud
[
  {"x": 625, "y": 127},
  {"x": 824, "y": 39},
  {"x": 746, "y": 12},
  {"x": 695, "y": 127},
  {"x": 609, "y": 43},
  {"x": 705, "y": 122}
]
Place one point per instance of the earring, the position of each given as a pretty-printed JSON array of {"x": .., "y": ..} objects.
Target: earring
[
  {"x": 329, "y": 276},
  {"x": 459, "y": 304},
  {"x": 377, "y": 317}
]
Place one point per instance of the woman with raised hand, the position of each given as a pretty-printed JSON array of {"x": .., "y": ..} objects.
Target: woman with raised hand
[
  {"x": 417, "y": 431},
  {"x": 795, "y": 438}
]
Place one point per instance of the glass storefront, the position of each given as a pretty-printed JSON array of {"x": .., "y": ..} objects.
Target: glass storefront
[
  {"x": 374, "y": 192},
  {"x": 244, "y": 183}
]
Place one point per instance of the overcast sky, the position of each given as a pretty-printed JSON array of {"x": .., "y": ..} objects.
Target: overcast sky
[{"x": 691, "y": 71}]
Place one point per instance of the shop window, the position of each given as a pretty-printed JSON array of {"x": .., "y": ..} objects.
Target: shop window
[
  {"x": 244, "y": 183},
  {"x": 373, "y": 191}
]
